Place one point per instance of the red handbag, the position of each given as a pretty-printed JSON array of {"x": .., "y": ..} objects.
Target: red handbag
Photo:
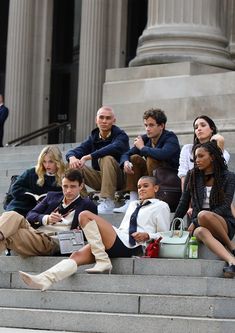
[{"x": 153, "y": 248}]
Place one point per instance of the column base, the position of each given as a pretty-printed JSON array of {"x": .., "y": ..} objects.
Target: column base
[{"x": 182, "y": 90}]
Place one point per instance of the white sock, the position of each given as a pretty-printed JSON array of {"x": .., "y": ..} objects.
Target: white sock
[{"x": 133, "y": 195}]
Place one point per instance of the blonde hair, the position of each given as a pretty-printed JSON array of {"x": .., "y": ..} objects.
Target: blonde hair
[{"x": 56, "y": 156}]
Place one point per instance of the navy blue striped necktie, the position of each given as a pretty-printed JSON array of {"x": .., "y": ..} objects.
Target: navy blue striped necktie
[{"x": 133, "y": 222}]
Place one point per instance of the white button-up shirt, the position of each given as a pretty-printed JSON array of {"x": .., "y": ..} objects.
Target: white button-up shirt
[{"x": 152, "y": 218}]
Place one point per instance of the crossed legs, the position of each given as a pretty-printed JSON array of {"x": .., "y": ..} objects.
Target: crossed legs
[
  {"x": 107, "y": 233},
  {"x": 100, "y": 235}
]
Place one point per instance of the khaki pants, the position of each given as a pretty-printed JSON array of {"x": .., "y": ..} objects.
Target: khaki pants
[
  {"x": 141, "y": 167},
  {"x": 108, "y": 180},
  {"x": 20, "y": 237}
]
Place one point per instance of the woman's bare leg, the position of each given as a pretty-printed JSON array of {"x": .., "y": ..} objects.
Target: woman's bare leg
[
  {"x": 217, "y": 226},
  {"x": 204, "y": 235},
  {"x": 106, "y": 230}
]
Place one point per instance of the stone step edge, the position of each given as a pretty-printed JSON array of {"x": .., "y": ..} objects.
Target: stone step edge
[
  {"x": 50, "y": 292},
  {"x": 164, "y": 305},
  {"x": 102, "y": 322},
  {"x": 22, "y": 330},
  {"x": 115, "y": 314}
]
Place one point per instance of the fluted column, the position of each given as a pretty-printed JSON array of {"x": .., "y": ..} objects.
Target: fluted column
[
  {"x": 19, "y": 69},
  {"x": 41, "y": 66},
  {"x": 92, "y": 64},
  {"x": 231, "y": 28},
  {"x": 185, "y": 30}
]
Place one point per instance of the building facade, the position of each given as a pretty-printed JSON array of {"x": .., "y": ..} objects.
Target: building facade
[{"x": 61, "y": 60}]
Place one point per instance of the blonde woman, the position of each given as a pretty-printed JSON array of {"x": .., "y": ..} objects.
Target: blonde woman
[{"x": 44, "y": 177}]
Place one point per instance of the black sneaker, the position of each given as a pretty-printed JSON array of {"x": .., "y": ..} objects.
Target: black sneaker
[{"x": 229, "y": 271}]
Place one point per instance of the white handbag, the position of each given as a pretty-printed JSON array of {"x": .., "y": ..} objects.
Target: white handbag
[{"x": 174, "y": 243}]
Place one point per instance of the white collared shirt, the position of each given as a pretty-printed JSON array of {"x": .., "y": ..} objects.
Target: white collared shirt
[{"x": 152, "y": 218}]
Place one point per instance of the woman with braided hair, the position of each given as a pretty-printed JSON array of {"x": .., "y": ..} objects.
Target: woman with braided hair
[{"x": 209, "y": 186}]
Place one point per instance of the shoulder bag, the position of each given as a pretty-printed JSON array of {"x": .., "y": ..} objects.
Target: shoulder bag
[
  {"x": 170, "y": 186},
  {"x": 174, "y": 243},
  {"x": 70, "y": 241}
]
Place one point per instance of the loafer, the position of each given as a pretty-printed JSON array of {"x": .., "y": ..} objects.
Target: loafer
[{"x": 229, "y": 271}]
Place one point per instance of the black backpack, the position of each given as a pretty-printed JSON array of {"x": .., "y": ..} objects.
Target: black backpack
[{"x": 8, "y": 197}]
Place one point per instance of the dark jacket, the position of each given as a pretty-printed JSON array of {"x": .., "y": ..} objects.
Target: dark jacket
[
  {"x": 27, "y": 182},
  {"x": 3, "y": 116},
  {"x": 167, "y": 149},
  {"x": 115, "y": 145},
  {"x": 196, "y": 199},
  {"x": 51, "y": 202}
]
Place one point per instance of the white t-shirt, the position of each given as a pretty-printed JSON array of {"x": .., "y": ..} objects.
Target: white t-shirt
[
  {"x": 186, "y": 164},
  {"x": 152, "y": 218}
]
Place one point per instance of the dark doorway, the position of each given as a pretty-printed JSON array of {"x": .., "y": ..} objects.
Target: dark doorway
[
  {"x": 64, "y": 71},
  {"x": 137, "y": 20},
  {"x": 3, "y": 42}
]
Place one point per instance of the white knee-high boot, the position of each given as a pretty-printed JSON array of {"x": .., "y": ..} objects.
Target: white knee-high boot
[
  {"x": 103, "y": 263},
  {"x": 43, "y": 281}
]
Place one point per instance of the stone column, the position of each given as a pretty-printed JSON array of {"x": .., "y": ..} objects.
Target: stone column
[
  {"x": 41, "y": 66},
  {"x": 28, "y": 66},
  {"x": 92, "y": 64},
  {"x": 185, "y": 30},
  {"x": 231, "y": 27},
  {"x": 19, "y": 69},
  {"x": 117, "y": 33}
]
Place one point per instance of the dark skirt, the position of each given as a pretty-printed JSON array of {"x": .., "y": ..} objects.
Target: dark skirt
[{"x": 119, "y": 250}]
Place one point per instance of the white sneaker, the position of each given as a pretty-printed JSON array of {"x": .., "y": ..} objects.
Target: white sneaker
[
  {"x": 106, "y": 206},
  {"x": 123, "y": 208}
]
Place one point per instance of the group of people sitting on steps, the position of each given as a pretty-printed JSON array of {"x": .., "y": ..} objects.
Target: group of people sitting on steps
[{"x": 207, "y": 194}]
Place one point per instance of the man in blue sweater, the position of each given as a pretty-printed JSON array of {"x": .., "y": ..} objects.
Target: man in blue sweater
[
  {"x": 157, "y": 148},
  {"x": 104, "y": 148},
  {"x": 59, "y": 211}
]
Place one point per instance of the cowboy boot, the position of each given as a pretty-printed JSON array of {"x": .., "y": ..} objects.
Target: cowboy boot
[
  {"x": 56, "y": 273},
  {"x": 103, "y": 263}
]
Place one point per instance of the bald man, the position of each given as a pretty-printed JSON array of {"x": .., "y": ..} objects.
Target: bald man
[{"x": 104, "y": 147}]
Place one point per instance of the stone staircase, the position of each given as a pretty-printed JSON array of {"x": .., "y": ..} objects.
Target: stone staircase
[{"x": 160, "y": 295}]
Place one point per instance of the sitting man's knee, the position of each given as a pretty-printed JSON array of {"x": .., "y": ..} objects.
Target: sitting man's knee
[
  {"x": 107, "y": 158},
  {"x": 136, "y": 159},
  {"x": 12, "y": 213}
]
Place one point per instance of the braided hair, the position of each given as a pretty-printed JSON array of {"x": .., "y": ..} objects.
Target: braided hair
[{"x": 219, "y": 166}]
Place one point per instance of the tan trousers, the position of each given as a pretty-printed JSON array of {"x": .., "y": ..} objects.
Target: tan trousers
[
  {"x": 141, "y": 167},
  {"x": 20, "y": 237},
  {"x": 108, "y": 180}
]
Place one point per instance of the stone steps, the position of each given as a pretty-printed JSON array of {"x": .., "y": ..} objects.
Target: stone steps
[
  {"x": 162, "y": 294},
  {"x": 141, "y": 294},
  {"x": 122, "y": 266},
  {"x": 173, "y": 305},
  {"x": 110, "y": 322}
]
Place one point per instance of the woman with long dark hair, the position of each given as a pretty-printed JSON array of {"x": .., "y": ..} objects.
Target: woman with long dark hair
[
  {"x": 209, "y": 187},
  {"x": 204, "y": 130}
]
